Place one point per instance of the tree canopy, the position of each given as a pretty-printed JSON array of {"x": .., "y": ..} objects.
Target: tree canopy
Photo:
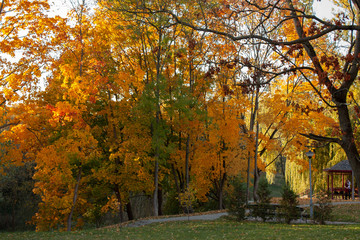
[{"x": 172, "y": 98}]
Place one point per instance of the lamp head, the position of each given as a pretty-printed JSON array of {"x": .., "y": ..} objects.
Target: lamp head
[{"x": 309, "y": 154}]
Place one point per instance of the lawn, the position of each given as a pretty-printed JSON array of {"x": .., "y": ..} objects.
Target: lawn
[
  {"x": 224, "y": 228},
  {"x": 219, "y": 229},
  {"x": 347, "y": 213}
]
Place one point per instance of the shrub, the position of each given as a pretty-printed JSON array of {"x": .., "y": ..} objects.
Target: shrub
[
  {"x": 187, "y": 200},
  {"x": 236, "y": 201},
  {"x": 172, "y": 205},
  {"x": 323, "y": 208},
  {"x": 263, "y": 208},
  {"x": 288, "y": 205}
]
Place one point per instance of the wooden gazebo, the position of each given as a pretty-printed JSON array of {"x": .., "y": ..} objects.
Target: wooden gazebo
[{"x": 342, "y": 168}]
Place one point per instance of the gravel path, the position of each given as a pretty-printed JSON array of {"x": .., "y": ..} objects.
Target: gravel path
[{"x": 214, "y": 216}]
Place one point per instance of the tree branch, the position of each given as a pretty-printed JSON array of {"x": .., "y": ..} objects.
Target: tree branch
[
  {"x": 321, "y": 138},
  {"x": 8, "y": 125},
  {"x": 330, "y": 28},
  {"x": 282, "y": 150}
]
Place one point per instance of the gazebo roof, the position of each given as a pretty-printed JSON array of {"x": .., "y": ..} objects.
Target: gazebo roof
[{"x": 343, "y": 166}]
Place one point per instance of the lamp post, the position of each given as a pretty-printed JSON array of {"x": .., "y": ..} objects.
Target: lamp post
[{"x": 310, "y": 154}]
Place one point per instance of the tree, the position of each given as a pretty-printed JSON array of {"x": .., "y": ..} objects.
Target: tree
[
  {"x": 288, "y": 204},
  {"x": 237, "y": 198},
  {"x": 323, "y": 208},
  {"x": 263, "y": 206},
  {"x": 331, "y": 74},
  {"x": 60, "y": 179},
  {"x": 25, "y": 47},
  {"x": 154, "y": 34},
  {"x": 18, "y": 202}
]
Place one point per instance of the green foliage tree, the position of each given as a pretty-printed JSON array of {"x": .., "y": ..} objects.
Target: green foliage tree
[
  {"x": 236, "y": 202},
  {"x": 288, "y": 205},
  {"x": 323, "y": 207},
  {"x": 17, "y": 201},
  {"x": 263, "y": 208}
]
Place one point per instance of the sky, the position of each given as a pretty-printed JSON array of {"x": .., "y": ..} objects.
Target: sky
[
  {"x": 323, "y": 8},
  {"x": 59, "y": 7}
]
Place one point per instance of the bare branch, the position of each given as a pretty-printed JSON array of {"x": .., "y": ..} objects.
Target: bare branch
[
  {"x": 37, "y": 138},
  {"x": 282, "y": 150},
  {"x": 2, "y": 6},
  {"x": 330, "y": 28}
]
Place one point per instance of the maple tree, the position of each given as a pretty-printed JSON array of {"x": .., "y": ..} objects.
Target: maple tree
[
  {"x": 25, "y": 47},
  {"x": 84, "y": 84},
  {"x": 152, "y": 36}
]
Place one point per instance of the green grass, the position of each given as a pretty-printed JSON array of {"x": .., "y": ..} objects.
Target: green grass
[
  {"x": 220, "y": 229},
  {"x": 346, "y": 213}
]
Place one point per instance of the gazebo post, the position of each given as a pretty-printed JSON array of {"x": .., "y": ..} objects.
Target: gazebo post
[
  {"x": 352, "y": 186},
  {"x": 332, "y": 185},
  {"x": 328, "y": 179},
  {"x": 343, "y": 186}
]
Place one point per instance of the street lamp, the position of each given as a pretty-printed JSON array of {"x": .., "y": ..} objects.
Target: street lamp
[{"x": 310, "y": 154}]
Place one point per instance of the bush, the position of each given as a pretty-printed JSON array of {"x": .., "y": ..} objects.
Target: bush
[
  {"x": 263, "y": 208},
  {"x": 288, "y": 205},
  {"x": 209, "y": 205},
  {"x": 236, "y": 201},
  {"x": 18, "y": 203},
  {"x": 323, "y": 208},
  {"x": 172, "y": 205},
  {"x": 187, "y": 200}
]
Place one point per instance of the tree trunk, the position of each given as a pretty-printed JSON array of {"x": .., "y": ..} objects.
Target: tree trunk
[
  {"x": 129, "y": 211},
  {"x": 256, "y": 172},
  {"x": 221, "y": 191},
  {"x": 121, "y": 207},
  {"x": 74, "y": 200},
  {"x": 118, "y": 196},
  {"x": 187, "y": 159},
  {"x": 160, "y": 201},
  {"x": 248, "y": 178},
  {"x": 348, "y": 141},
  {"x": 252, "y": 124},
  {"x": 156, "y": 185},
  {"x": 220, "y": 198},
  {"x": 13, "y": 214},
  {"x": 157, "y": 120}
]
